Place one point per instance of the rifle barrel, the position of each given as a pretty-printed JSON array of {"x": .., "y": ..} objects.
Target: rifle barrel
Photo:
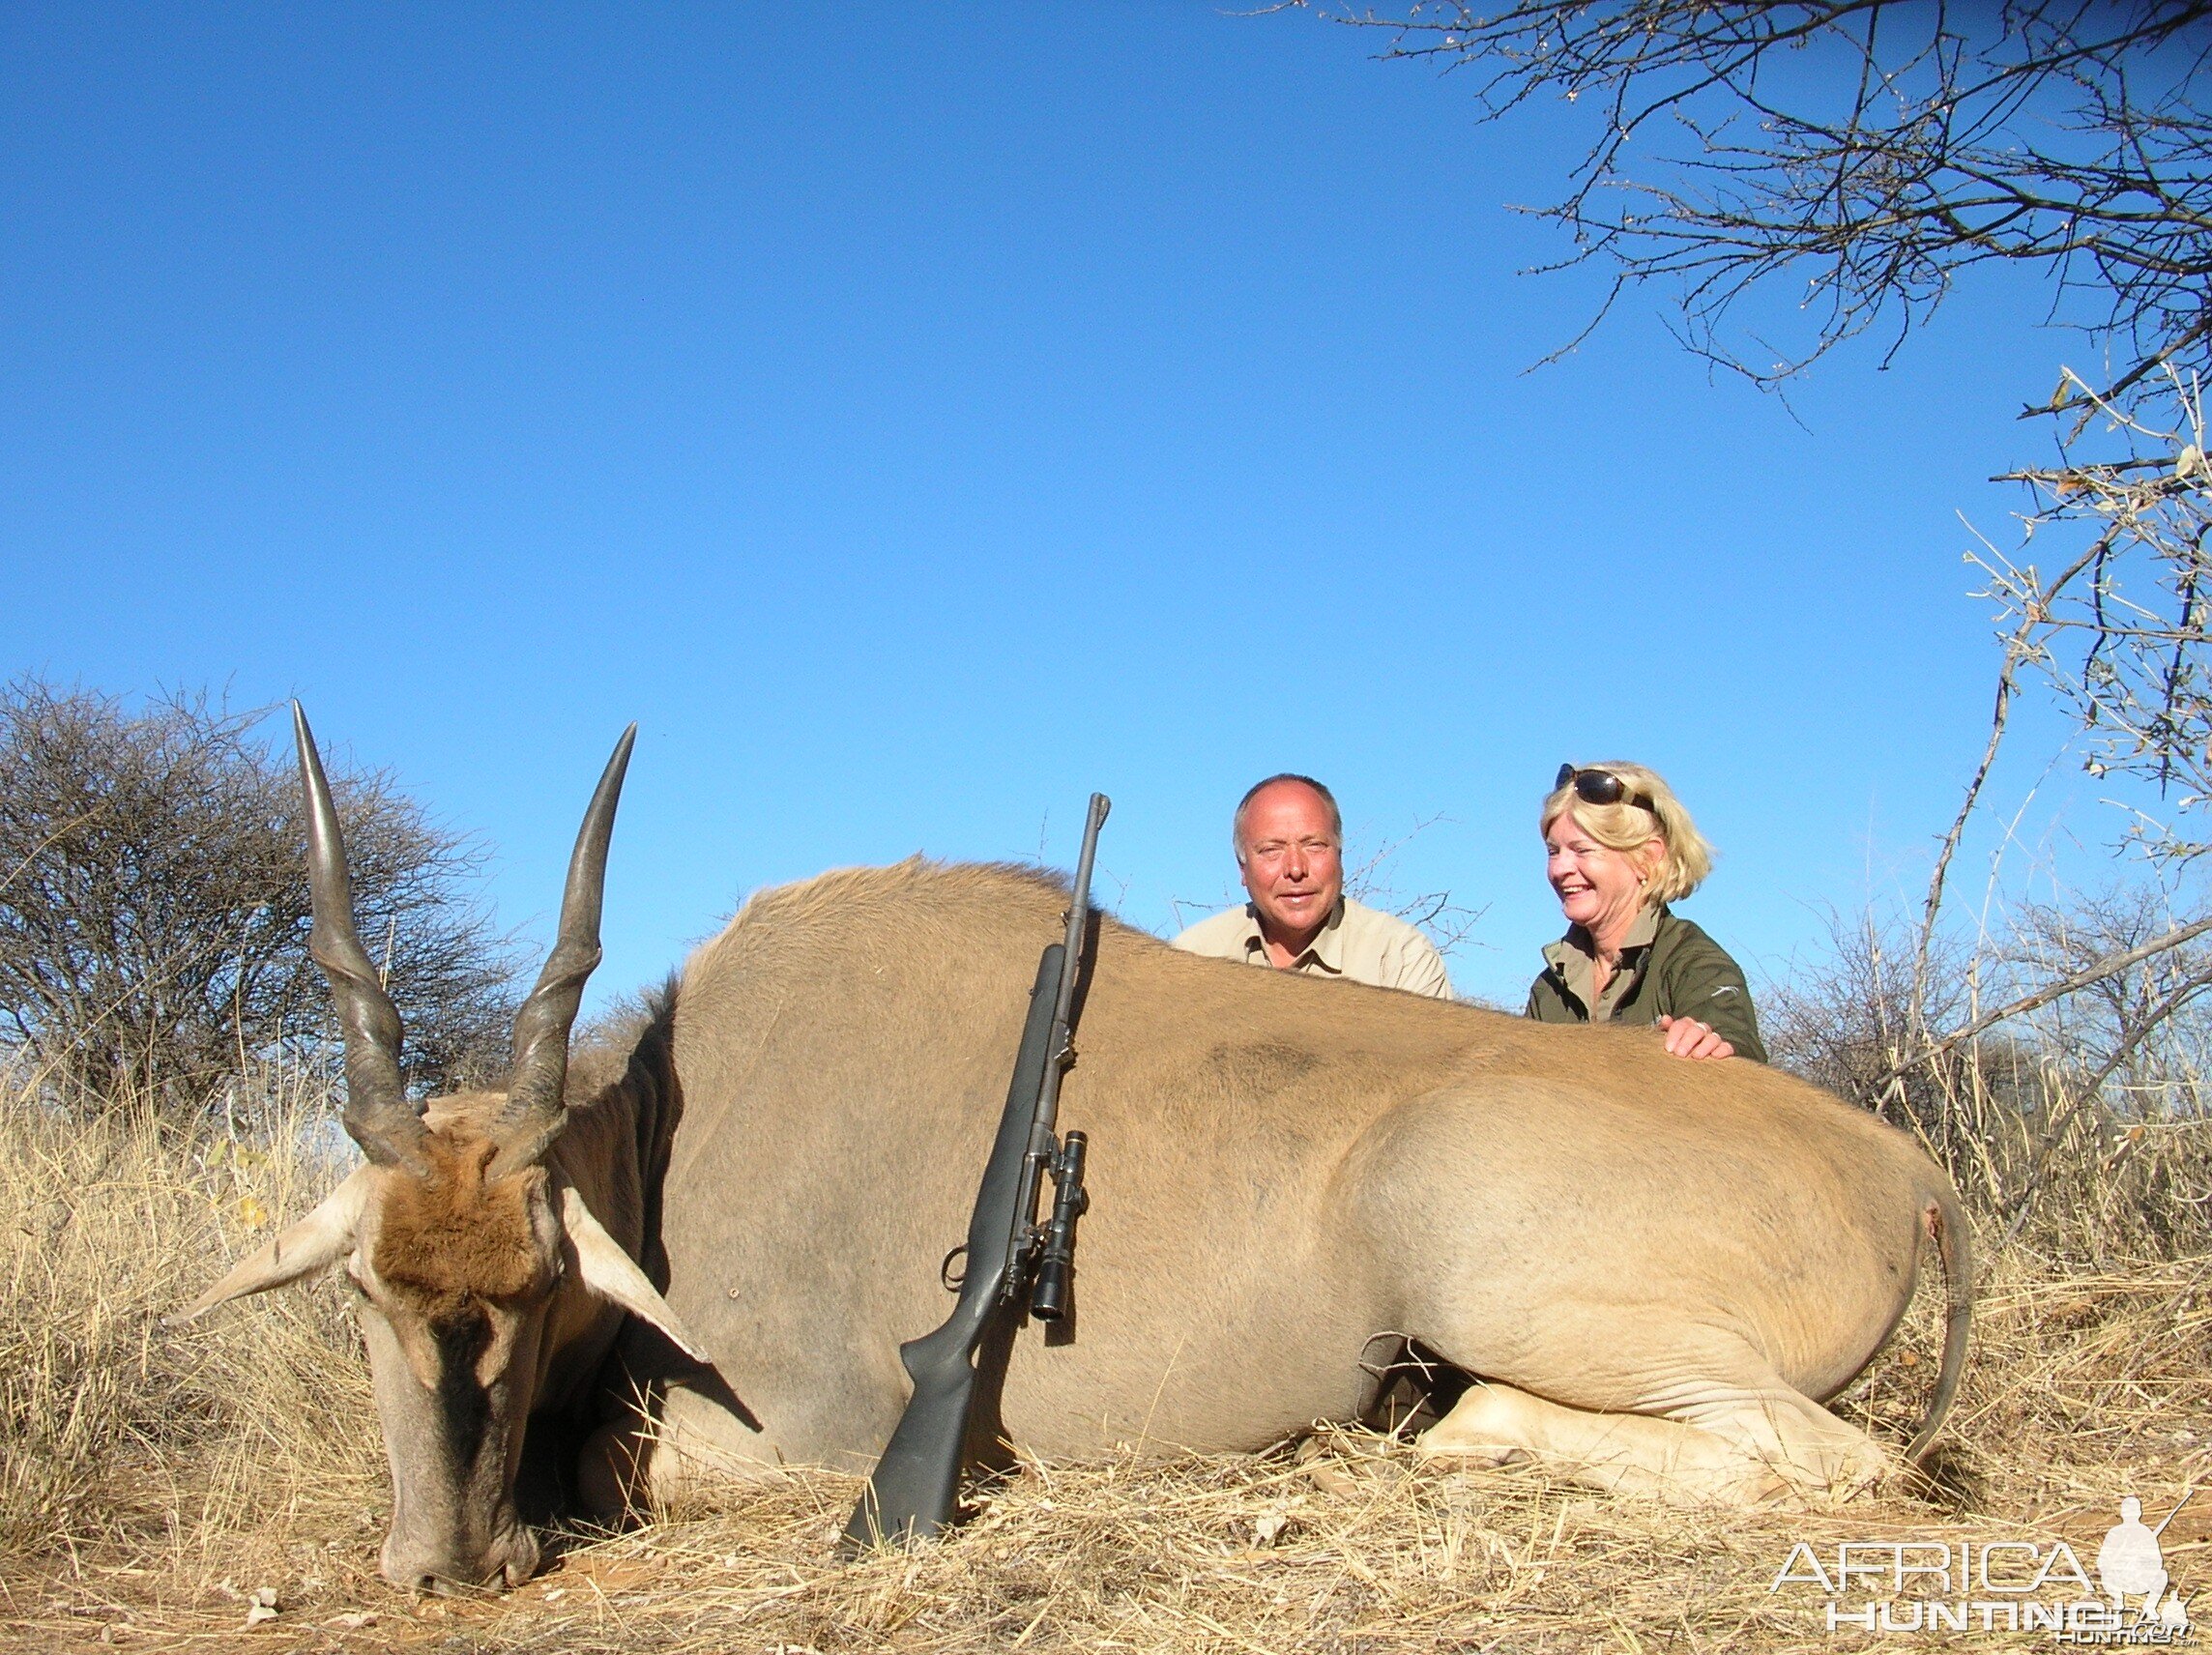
[
  {"x": 1079, "y": 911},
  {"x": 1070, "y": 971}
]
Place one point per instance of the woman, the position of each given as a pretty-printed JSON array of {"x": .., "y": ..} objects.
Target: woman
[{"x": 1620, "y": 849}]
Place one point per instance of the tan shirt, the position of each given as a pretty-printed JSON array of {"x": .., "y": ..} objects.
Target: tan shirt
[
  {"x": 1575, "y": 956},
  {"x": 1358, "y": 944}
]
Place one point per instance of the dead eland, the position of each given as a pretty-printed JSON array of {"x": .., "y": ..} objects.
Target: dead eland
[{"x": 1660, "y": 1270}]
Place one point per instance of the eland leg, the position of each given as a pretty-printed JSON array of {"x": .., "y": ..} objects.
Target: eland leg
[
  {"x": 1730, "y": 1448},
  {"x": 1621, "y": 1453}
]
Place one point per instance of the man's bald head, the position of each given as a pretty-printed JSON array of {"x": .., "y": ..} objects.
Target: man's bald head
[{"x": 1282, "y": 782}]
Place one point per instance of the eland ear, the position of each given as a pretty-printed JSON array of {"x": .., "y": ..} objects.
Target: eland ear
[
  {"x": 318, "y": 1240},
  {"x": 612, "y": 1274}
]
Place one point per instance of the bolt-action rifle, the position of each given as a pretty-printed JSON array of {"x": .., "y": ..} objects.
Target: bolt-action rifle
[{"x": 1015, "y": 1267}]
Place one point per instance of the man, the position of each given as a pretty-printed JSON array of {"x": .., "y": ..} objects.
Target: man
[{"x": 1288, "y": 837}]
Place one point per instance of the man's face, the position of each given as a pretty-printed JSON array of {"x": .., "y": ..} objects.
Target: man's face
[{"x": 1293, "y": 865}]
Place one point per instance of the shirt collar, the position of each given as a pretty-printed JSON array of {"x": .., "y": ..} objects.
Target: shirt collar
[
  {"x": 1326, "y": 950},
  {"x": 1577, "y": 942}
]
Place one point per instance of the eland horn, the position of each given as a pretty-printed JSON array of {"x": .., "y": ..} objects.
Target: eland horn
[
  {"x": 536, "y": 1104},
  {"x": 377, "y": 1113}
]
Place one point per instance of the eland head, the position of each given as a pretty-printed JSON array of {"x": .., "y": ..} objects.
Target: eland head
[{"x": 460, "y": 1237}]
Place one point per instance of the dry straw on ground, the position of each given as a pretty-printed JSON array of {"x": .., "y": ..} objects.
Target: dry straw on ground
[{"x": 220, "y": 1486}]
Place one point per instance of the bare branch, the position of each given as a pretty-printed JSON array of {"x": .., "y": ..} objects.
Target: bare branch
[
  {"x": 1871, "y": 149},
  {"x": 2097, "y": 970}
]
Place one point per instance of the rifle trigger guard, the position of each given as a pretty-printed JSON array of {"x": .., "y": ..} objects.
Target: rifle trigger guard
[{"x": 951, "y": 1283}]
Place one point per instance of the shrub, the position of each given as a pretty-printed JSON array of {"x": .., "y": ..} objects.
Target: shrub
[{"x": 154, "y": 908}]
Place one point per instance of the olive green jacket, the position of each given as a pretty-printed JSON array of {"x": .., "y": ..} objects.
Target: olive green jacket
[{"x": 1669, "y": 967}]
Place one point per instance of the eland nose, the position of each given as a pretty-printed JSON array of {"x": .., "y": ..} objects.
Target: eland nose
[{"x": 508, "y": 1560}]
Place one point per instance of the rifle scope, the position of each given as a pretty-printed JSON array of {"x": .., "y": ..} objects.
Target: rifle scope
[{"x": 1056, "y": 1265}]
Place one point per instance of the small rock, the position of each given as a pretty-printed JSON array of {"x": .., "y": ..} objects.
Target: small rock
[{"x": 353, "y": 1620}]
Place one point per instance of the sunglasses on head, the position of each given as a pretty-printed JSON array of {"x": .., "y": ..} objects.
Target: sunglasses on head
[{"x": 1600, "y": 787}]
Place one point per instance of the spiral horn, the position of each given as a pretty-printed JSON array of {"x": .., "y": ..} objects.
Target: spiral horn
[
  {"x": 377, "y": 1114},
  {"x": 536, "y": 1104}
]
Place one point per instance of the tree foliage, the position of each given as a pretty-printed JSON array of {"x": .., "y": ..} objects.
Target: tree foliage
[
  {"x": 1869, "y": 150},
  {"x": 154, "y": 909}
]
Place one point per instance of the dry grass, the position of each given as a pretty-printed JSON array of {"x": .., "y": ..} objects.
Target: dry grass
[{"x": 152, "y": 1481}]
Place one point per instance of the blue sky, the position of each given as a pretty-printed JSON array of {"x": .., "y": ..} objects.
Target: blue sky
[{"x": 913, "y": 430}]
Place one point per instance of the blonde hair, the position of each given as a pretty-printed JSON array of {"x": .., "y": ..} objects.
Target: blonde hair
[{"x": 1685, "y": 858}]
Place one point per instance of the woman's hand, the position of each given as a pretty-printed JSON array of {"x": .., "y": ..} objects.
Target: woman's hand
[{"x": 1687, "y": 1037}]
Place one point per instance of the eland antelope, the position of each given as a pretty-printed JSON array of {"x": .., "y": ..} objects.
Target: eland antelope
[
  {"x": 491, "y": 1242},
  {"x": 1659, "y": 1270}
]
